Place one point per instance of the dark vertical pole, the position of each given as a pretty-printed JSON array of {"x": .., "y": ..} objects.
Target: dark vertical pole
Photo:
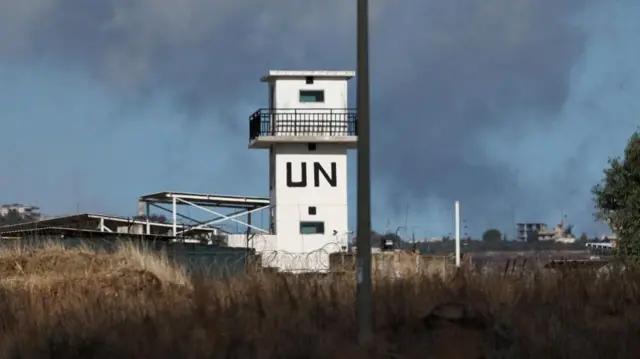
[
  {"x": 364, "y": 297},
  {"x": 249, "y": 223}
]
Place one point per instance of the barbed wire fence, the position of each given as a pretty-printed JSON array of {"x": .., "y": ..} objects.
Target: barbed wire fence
[{"x": 317, "y": 260}]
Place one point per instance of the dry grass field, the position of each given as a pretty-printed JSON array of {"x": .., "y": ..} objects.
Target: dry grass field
[{"x": 78, "y": 303}]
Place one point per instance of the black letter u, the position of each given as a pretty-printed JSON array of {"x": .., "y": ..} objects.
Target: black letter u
[{"x": 303, "y": 180}]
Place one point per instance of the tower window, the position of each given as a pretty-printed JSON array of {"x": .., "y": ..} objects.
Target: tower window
[
  {"x": 311, "y": 227},
  {"x": 307, "y": 96},
  {"x": 312, "y": 211},
  {"x": 309, "y": 80}
]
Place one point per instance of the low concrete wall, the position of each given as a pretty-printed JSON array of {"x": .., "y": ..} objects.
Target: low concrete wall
[
  {"x": 395, "y": 264},
  {"x": 514, "y": 262},
  {"x": 400, "y": 264}
]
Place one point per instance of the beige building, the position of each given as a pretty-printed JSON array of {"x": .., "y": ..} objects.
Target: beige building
[{"x": 558, "y": 234}]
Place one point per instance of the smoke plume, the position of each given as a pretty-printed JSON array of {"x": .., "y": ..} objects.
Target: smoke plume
[{"x": 457, "y": 85}]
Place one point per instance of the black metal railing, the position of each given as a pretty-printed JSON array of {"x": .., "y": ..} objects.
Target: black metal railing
[{"x": 303, "y": 122}]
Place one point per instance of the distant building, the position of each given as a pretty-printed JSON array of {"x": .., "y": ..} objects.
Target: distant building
[
  {"x": 524, "y": 229},
  {"x": 22, "y": 209},
  {"x": 559, "y": 233},
  {"x": 608, "y": 238},
  {"x": 614, "y": 235}
]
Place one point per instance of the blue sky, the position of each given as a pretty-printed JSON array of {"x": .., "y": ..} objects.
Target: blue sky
[{"x": 511, "y": 107}]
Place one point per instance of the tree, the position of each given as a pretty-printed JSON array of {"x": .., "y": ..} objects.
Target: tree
[
  {"x": 583, "y": 237},
  {"x": 569, "y": 231},
  {"x": 14, "y": 217},
  {"x": 617, "y": 199},
  {"x": 492, "y": 236}
]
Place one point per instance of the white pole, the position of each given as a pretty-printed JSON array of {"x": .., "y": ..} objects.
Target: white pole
[
  {"x": 457, "y": 205},
  {"x": 174, "y": 215}
]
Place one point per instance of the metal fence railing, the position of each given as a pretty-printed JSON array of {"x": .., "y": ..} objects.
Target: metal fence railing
[{"x": 303, "y": 122}]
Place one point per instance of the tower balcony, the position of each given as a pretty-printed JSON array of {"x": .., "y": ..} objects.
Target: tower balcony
[{"x": 272, "y": 126}]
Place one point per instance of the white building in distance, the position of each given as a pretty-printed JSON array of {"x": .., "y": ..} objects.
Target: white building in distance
[
  {"x": 21, "y": 209},
  {"x": 306, "y": 130}
]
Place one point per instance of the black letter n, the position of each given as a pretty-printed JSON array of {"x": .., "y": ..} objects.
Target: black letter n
[{"x": 317, "y": 170}]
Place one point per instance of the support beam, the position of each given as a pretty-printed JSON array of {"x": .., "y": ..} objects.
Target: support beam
[
  {"x": 220, "y": 214},
  {"x": 102, "y": 227},
  {"x": 197, "y": 222},
  {"x": 174, "y": 213},
  {"x": 222, "y": 218},
  {"x": 248, "y": 234},
  {"x": 178, "y": 214}
]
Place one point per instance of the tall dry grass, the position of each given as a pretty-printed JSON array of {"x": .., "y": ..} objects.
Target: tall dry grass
[{"x": 79, "y": 303}]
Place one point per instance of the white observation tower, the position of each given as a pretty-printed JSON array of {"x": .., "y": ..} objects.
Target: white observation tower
[{"x": 307, "y": 129}]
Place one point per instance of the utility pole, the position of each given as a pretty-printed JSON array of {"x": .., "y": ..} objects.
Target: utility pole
[
  {"x": 364, "y": 291},
  {"x": 515, "y": 224},
  {"x": 406, "y": 219},
  {"x": 457, "y": 210}
]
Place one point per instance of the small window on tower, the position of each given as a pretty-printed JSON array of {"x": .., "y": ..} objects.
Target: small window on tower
[
  {"x": 309, "y": 80},
  {"x": 312, "y": 147},
  {"x": 312, "y": 211},
  {"x": 311, "y": 227},
  {"x": 307, "y": 96}
]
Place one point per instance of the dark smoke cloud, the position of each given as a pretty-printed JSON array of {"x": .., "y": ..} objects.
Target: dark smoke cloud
[
  {"x": 472, "y": 67},
  {"x": 446, "y": 74}
]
